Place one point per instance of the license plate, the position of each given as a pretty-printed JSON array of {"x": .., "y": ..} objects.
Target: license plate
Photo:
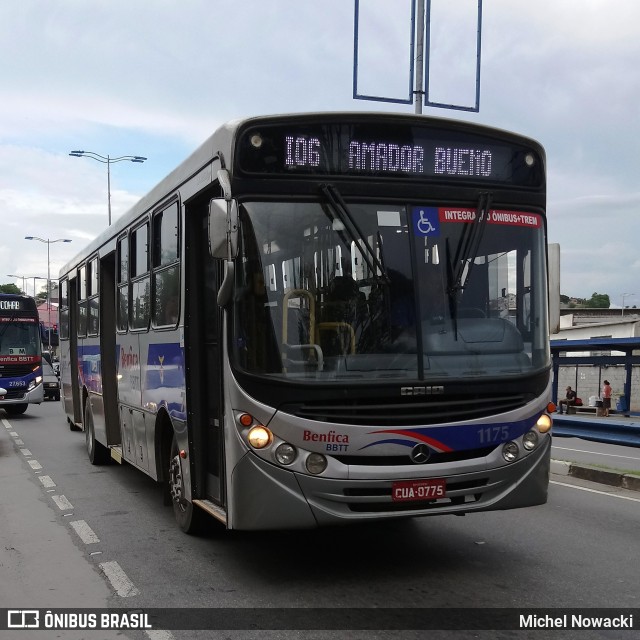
[{"x": 408, "y": 490}]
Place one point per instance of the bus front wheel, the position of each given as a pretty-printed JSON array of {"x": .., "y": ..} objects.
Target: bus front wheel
[
  {"x": 15, "y": 409},
  {"x": 188, "y": 517},
  {"x": 98, "y": 453}
]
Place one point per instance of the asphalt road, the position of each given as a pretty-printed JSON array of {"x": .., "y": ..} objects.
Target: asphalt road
[
  {"x": 579, "y": 550},
  {"x": 609, "y": 456}
]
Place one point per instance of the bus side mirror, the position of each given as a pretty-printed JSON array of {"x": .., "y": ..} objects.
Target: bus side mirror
[
  {"x": 223, "y": 229},
  {"x": 223, "y": 242}
]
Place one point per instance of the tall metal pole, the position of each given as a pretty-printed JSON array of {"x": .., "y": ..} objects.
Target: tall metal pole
[
  {"x": 49, "y": 293},
  {"x": 108, "y": 160},
  {"x": 109, "y": 186},
  {"x": 625, "y": 295},
  {"x": 419, "y": 65},
  {"x": 48, "y": 241}
]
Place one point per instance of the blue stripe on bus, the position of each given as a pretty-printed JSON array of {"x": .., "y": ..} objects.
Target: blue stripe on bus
[{"x": 457, "y": 437}]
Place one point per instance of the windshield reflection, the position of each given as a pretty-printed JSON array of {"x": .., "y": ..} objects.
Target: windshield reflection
[{"x": 314, "y": 301}]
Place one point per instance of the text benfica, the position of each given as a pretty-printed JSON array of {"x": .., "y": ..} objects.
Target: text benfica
[
  {"x": 332, "y": 436},
  {"x": 576, "y": 622}
]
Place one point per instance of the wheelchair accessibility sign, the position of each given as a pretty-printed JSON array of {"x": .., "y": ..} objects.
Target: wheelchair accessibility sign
[{"x": 426, "y": 221}]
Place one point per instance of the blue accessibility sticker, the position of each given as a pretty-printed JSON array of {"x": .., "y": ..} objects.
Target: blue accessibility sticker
[{"x": 426, "y": 221}]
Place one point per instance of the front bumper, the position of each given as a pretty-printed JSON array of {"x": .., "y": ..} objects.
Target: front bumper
[
  {"x": 35, "y": 396},
  {"x": 263, "y": 496}
]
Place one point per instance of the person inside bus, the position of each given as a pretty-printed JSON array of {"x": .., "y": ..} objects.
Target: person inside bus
[{"x": 568, "y": 401}]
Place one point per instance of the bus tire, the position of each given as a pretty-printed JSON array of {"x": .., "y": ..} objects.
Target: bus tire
[
  {"x": 188, "y": 517},
  {"x": 98, "y": 453},
  {"x": 15, "y": 409}
]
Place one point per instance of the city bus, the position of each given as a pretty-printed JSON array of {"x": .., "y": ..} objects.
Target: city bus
[
  {"x": 319, "y": 319},
  {"x": 20, "y": 354}
]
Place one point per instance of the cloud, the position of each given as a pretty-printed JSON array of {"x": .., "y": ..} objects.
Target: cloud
[{"x": 117, "y": 78}]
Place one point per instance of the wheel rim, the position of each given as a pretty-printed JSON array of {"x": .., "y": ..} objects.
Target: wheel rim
[
  {"x": 175, "y": 483},
  {"x": 89, "y": 429}
]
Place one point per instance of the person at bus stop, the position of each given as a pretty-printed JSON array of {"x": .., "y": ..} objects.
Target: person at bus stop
[
  {"x": 606, "y": 397},
  {"x": 568, "y": 401}
]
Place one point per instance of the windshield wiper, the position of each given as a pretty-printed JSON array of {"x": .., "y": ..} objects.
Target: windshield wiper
[
  {"x": 341, "y": 210},
  {"x": 466, "y": 254}
]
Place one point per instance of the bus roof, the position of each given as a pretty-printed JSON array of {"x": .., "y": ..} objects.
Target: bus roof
[{"x": 201, "y": 162}]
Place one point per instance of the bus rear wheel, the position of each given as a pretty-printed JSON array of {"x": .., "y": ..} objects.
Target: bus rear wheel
[
  {"x": 189, "y": 518},
  {"x": 98, "y": 453}
]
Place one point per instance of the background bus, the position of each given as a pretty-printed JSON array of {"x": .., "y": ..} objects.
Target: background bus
[
  {"x": 20, "y": 353},
  {"x": 321, "y": 319}
]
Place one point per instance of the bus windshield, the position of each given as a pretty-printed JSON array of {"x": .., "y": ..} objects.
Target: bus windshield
[
  {"x": 328, "y": 290},
  {"x": 19, "y": 337}
]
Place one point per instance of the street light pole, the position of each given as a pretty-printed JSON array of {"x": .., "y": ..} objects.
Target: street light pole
[
  {"x": 48, "y": 242},
  {"x": 24, "y": 279},
  {"x": 625, "y": 295},
  {"x": 13, "y": 275},
  {"x": 108, "y": 160}
]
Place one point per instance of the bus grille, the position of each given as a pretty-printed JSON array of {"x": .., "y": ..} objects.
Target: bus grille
[
  {"x": 435, "y": 458},
  {"x": 15, "y": 370},
  {"x": 391, "y": 412},
  {"x": 13, "y": 394}
]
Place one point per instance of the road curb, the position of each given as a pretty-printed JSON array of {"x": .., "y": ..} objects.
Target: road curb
[{"x": 611, "y": 478}]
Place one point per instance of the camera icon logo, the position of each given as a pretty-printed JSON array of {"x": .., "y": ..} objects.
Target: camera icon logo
[{"x": 23, "y": 619}]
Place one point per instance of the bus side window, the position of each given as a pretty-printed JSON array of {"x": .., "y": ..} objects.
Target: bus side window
[
  {"x": 166, "y": 267},
  {"x": 64, "y": 310},
  {"x": 93, "y": 301},
  {"x": 82, "y": 302},
  {"x": 140, "y": 280},
  {"x": 123, "y": 284}
]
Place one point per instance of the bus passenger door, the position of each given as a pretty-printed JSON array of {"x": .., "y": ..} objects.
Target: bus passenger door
[
  {"x": 108, "y": 348},
  {"x": 76, "y": 408},
  {"x": 203, "y": 356}
]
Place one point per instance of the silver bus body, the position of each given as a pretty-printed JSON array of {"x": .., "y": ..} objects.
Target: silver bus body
[{"x": 448, "y": 414}]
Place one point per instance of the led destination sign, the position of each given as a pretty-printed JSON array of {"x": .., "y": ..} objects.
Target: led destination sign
[
  {"x": 387, "y": 149},
  {"x": 388, "y": 157}
]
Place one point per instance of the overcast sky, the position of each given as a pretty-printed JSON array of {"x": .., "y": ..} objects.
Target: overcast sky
[{"x": 156, "y": 77}]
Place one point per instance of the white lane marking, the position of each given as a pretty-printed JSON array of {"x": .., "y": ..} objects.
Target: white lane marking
[
  {"x": 598, "y": 453},
  {"x": 603, "y": 493},
  {"x": 6, "y": 423},
  {"x": 19, "y": 441},
  {"x": 118, "y": 579},
  {"x": 62, "y": 502},
  {"x": 47, "y": 482},
  {"x": 159, "y": 634},
  {"x": 34, "y": 464},
  {"x": 13, "y": 434},
  {"x": 85, "y": 532},
  {"x": 26, "y": 452}
]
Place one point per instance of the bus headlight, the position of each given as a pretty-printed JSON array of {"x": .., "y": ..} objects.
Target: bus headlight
[
  {"x": 259, "y": 437},
  {"x": 510, "y": 451},
  {"x": 286, "y": 453},
  {"x": 316, "y": 463},
  {"x": 544, "y": 423},
  {"x": 530, "y": 440}
]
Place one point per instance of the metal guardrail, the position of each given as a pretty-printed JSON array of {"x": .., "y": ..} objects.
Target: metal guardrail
[{"x": 609, "y": 430}]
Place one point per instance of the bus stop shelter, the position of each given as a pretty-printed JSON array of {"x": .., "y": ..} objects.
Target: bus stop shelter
[{"x": 561, "y": 350}]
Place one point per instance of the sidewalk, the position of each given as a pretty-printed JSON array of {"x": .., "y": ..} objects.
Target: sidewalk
[
  {"x": 617, "y": 430},
  {"x": 613, "y": 478},
  {"x": 42, "y": 564}
]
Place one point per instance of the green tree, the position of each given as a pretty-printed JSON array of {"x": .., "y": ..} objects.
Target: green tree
[
  {"x": 10, "y": 288},
  {"x": 599, "y": 301}
]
